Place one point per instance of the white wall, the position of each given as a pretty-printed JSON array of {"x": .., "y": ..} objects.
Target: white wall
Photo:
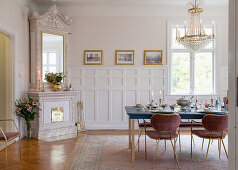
[
  {"x": 14, "y": 21},
  {"x": 110, "y": 26}
]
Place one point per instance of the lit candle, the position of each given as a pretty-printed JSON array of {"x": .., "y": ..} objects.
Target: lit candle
[
  {"x": 185, "y": 24},
  {"x": 152, "y": 95},
  {"x": 211, "y": 96},
  {"x": 213, "y": 27}
]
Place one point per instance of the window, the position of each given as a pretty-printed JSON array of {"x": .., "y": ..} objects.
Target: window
[
  {"x": 49, "y": 62},
  {"x": 190, "y": 72}
]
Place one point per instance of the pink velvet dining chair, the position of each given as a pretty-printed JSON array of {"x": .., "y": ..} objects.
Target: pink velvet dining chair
[
  {"x": 215, "y": 127},
  {"x": 141, "y": 128},
  {"x": 9, "y": 136},
  {"x": 188, "y": 124},
  {"x": 165, "y": 127}
]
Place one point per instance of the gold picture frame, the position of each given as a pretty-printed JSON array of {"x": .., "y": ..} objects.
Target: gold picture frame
[
  {"x": 153, "y": 57},
  {"x": 93, "y": 57},
  {"x": 125, "y": 57}
]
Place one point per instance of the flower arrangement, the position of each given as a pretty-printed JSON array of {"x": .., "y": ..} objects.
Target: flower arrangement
[
  {"x": 54, "y": 78},
  {"x": 171, "y": 107},
  {"x": 207, "y": 105},
  {"x": 164, "y": 106},
  {"x": 138, "y": 106},
  {"x": 27, "y": 108}
]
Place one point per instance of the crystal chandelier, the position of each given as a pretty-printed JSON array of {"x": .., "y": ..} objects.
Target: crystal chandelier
[{"x": 195, "y": 36}]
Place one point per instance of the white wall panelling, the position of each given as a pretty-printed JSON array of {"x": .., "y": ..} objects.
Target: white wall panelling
[{"x": 105, "y": 91}]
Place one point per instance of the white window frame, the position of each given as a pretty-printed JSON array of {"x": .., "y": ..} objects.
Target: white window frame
[
  {"x": 215, "y": 76},
  {"x": 57, "y": 61}
]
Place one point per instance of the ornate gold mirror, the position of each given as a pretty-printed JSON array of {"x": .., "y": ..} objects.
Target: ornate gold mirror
[{"x": 52, "y": 54}]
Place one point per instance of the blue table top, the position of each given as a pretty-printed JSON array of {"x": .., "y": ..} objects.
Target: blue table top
[{"x": 135, "y": 113}]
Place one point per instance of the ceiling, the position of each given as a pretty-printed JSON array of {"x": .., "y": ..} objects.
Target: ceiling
[{"x": 165, "y": 2}]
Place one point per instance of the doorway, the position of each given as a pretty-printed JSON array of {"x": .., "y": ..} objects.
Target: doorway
[{"x": 6, "y": 81}]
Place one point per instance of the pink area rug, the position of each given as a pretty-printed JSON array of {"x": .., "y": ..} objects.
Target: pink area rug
[{"x": 112, "y": 153}]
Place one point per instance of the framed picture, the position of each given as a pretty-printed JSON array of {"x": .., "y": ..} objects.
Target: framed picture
[
  {"x": 93, "y": 57},
  {"x": 153, "y": 57},
  {"x": 125, "y": 57}
]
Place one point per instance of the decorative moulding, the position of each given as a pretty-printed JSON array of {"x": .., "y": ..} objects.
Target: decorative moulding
[
  {"x": 53, "y": 19},
  {"x": 53, "y": 22}
]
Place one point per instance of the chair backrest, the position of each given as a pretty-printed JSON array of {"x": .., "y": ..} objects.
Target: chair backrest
[
  {"x": 165, "y": 122},
  {"x": 215, "y": 123}
]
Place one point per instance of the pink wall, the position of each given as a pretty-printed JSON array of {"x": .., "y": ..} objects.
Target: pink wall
[{"x": 139, "y": 33}]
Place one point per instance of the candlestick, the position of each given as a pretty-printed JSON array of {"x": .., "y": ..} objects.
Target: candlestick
[
  {"x": 212, "y": 105},
  {"x": 160, "y": 102},
  {"x": 39, "y": 90},
  {"x": 39, "y": 82},
  {"x": 43, "y": 87}
]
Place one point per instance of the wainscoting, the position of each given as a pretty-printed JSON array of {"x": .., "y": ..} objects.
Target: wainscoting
[{"x": 106, "y": 90}]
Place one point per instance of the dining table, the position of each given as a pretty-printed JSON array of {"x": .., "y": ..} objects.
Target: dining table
[{"x": 145, "y": 113}]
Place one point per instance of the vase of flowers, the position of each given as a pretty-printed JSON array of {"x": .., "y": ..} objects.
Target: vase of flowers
[
  {"x": 56, "y": 79},
  {"x": 27, "y": 108}
]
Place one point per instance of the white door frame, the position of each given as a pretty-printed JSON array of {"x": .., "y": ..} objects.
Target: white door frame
[
  {"x": 233, "y": 80},
  {"x": 12, "y": 69}
]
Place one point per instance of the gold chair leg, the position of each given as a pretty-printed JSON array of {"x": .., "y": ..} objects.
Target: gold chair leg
[
  {"x": 207, "y": 152},
  {"x": 175, "y": 153},
  {"x": 179, "y": 139},
  {"x": 20, "y": 146},
  {"x": 6, "y": 155},
  {"x": 218, "y": 143},
  {"x": 145, "y": 149},
  {"x": 138, "y": 141},
  {"x": 193, "y": 141},
  {"x": 164, "y": 144},
  {"x": 202, "y": 142},
  {"x": 156, "y": 150},
  {"x": 224, "y": 148},
  {"x": 191, "y": 145}
]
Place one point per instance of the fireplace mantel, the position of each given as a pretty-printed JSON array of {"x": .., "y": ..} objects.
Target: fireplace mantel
[{"x": 43, "y": 127}]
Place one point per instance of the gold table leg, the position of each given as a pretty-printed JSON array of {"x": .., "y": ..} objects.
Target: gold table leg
[
  {"x": 129, "y": 120},
  {"x": 132, "y": 140}
]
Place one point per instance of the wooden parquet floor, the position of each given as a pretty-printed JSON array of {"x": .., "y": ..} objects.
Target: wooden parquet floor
[{"x": 41, "y": 155}]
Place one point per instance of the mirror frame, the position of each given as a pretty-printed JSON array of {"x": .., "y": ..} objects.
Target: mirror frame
[{"x": 42, "y": 32}]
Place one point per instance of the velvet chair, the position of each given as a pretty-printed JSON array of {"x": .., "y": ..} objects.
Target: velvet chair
[
  {"x": 215, "y": 127},
  {"x": 142, "y": 126},
  {"x": 188, "y": 124},
  {"x": 165, "y": 126},
  {"x": 9, "y": 136}
]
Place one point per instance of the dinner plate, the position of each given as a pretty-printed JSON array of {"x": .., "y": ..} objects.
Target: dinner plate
[
  {"x": 211, "y": 111},
  {"x": 162, "y": 111}
]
